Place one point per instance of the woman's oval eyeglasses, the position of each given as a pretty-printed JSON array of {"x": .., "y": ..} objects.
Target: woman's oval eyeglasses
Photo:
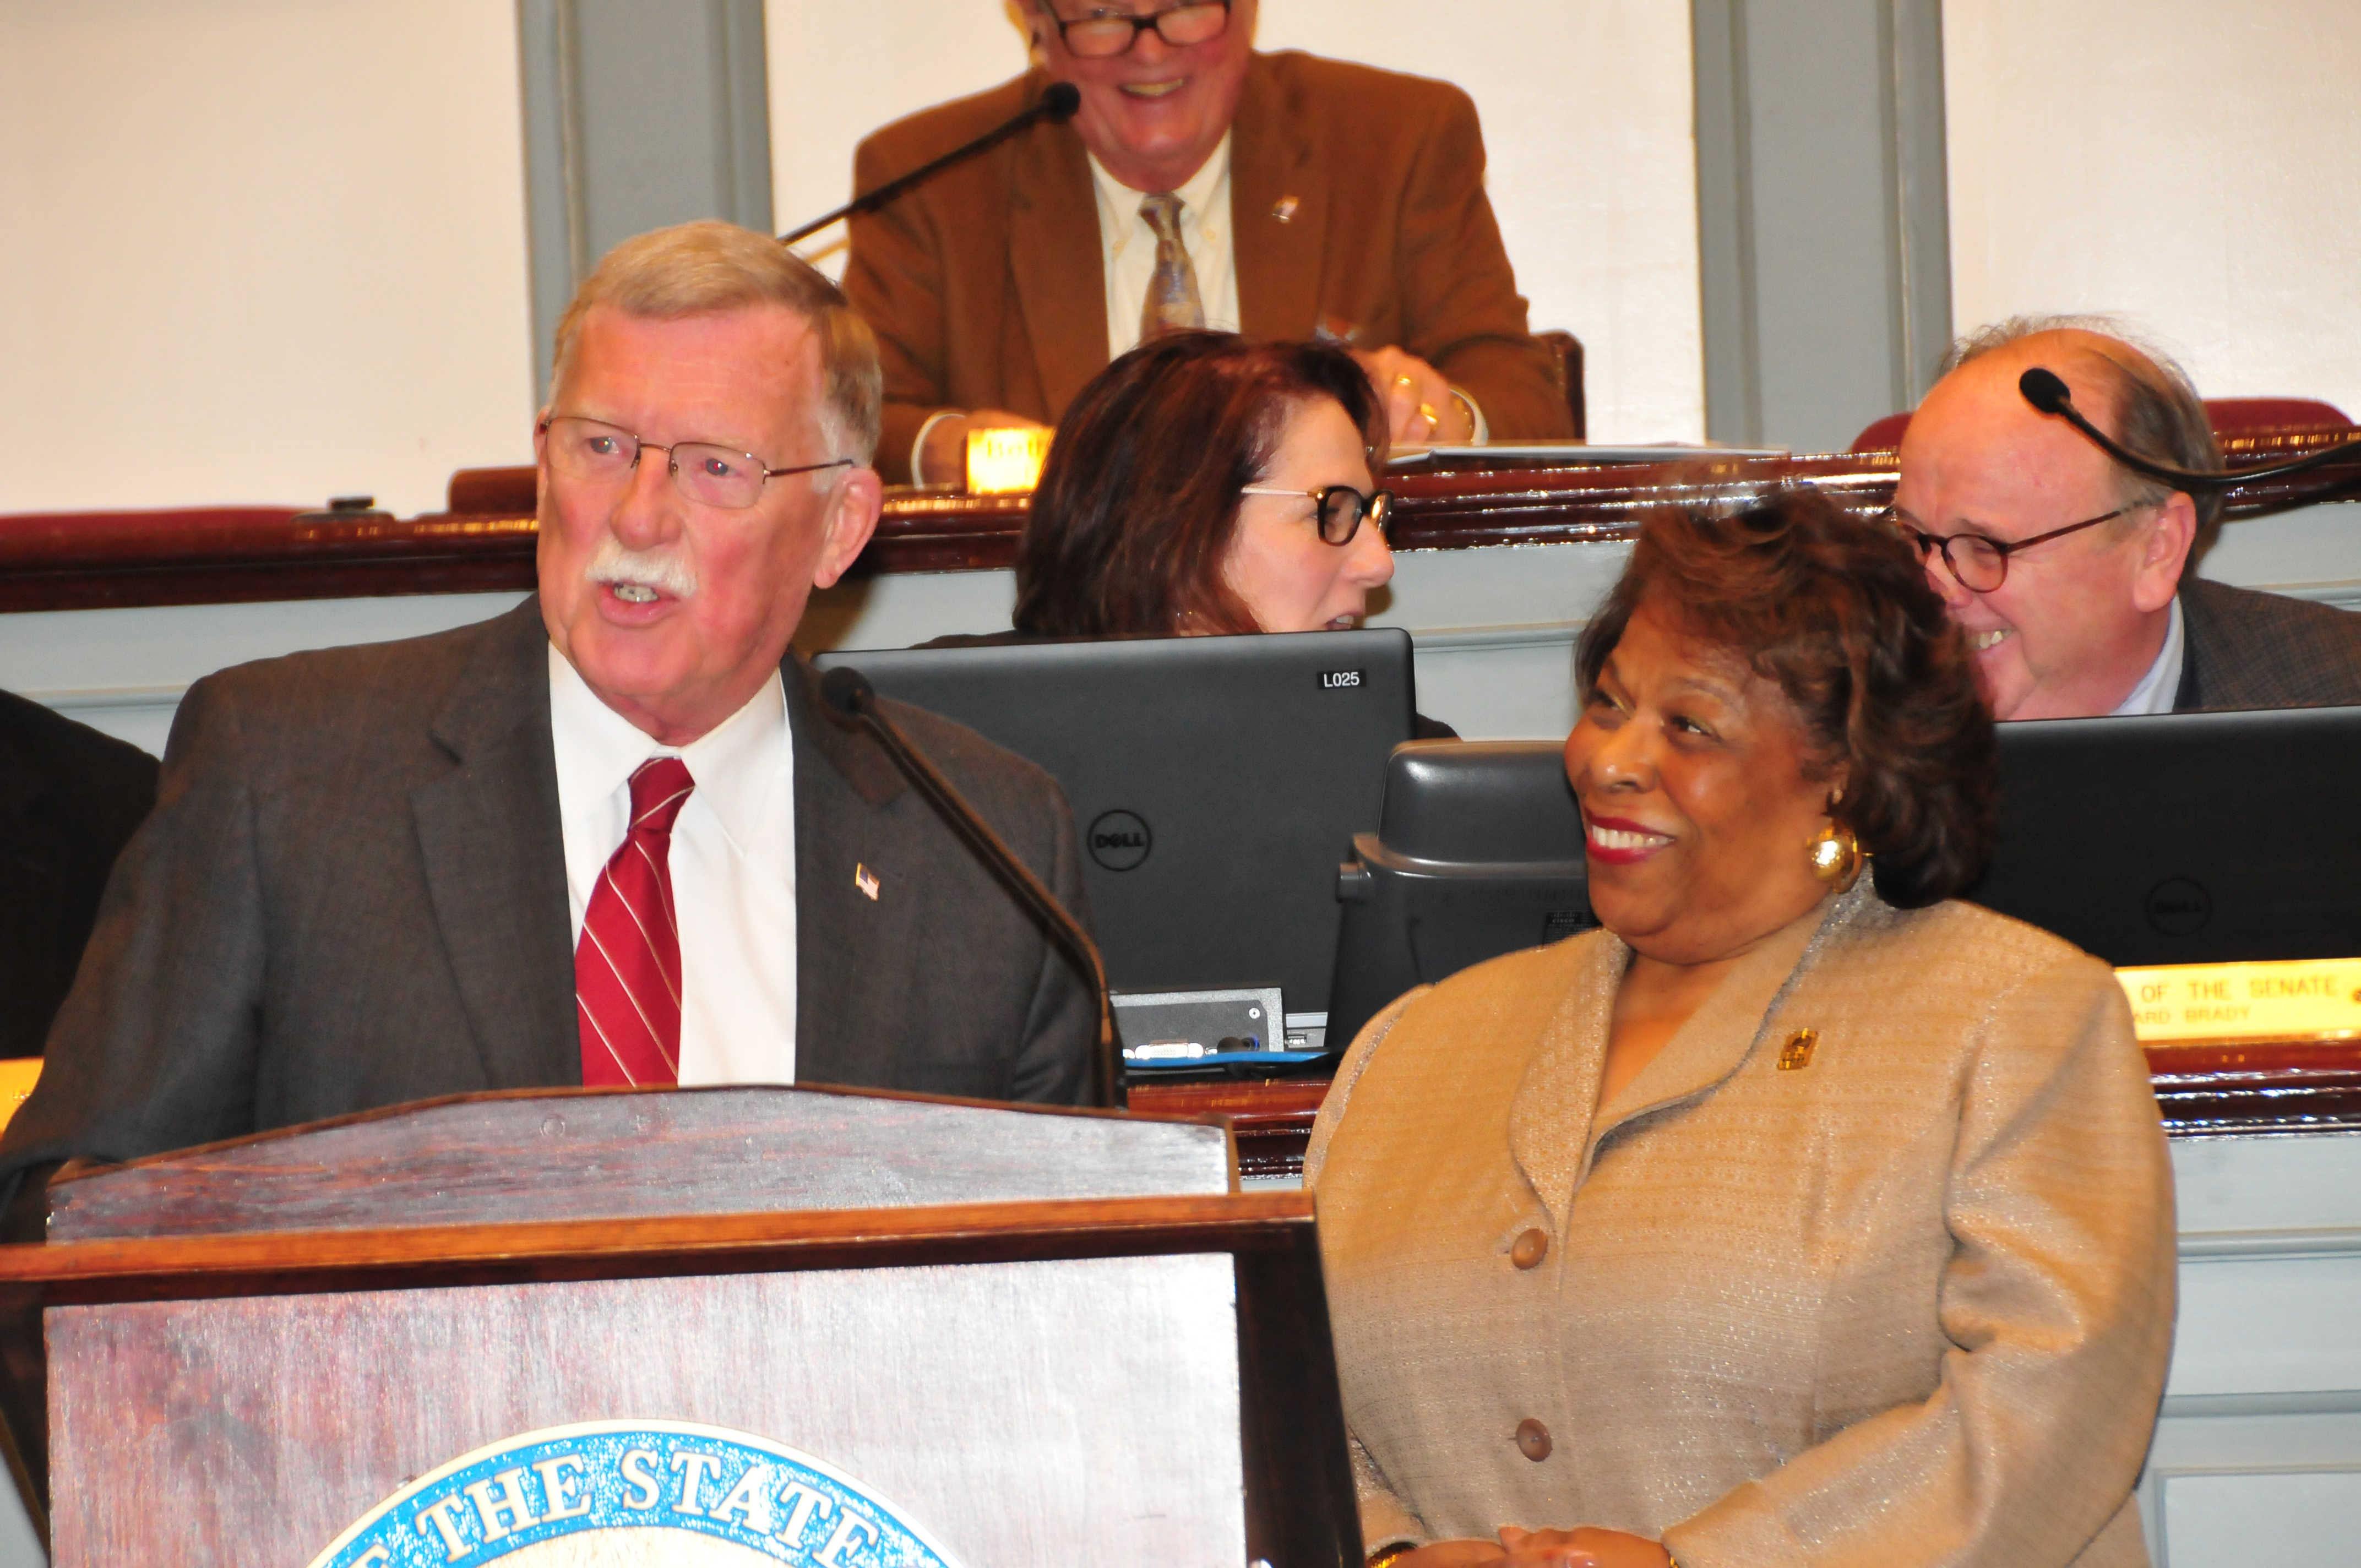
[
  {"x": 1341, "y": 508},
  {"x": 1980, "y": 565},
  {"x": 592, "y": 451}
]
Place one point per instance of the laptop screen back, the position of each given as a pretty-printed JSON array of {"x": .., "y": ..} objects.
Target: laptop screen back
[
  {"x": 1216, "y": 782},
  {"x": 2190, "y": 838}
]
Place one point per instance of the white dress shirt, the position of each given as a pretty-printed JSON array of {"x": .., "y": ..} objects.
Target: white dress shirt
[
  {"x": 732, "y": 864},
  {"x": 2162, "y": 683},
  {"x": 1129, "y": 248}
]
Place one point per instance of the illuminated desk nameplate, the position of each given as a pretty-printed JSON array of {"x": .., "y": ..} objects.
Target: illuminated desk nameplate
[
  {"x": 2252, "y": 1048},
  {"x": 2310, "y": 999},
  {"x": 1005, "y": 462}
]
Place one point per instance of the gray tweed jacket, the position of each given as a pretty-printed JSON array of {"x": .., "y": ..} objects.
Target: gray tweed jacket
[
  {"x": 352, "y": 894},
  {"x": 2251, "y": 649}
]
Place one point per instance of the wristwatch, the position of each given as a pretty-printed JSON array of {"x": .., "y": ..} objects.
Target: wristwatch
[{"x": 1384, "y": 1555}]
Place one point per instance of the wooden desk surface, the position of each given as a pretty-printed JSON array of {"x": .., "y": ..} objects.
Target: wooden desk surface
[{"x": 485, "y": 541}]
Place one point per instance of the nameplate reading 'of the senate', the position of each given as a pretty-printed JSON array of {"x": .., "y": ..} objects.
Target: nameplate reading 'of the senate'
[
  {"x": 2308, "y": 999},
  {"x": 635, "y": 1494}
]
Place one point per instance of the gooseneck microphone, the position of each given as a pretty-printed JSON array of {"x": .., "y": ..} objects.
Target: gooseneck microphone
[
  {"x": 1056, "y": 105},
  {"x": 2048, "y": 392},
  {"x": 848, "y": 692}
]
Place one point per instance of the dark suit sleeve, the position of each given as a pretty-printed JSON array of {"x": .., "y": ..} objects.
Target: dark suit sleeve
[
  {"x": 156, "y": 1045},
  {"x": 894, "y": 276},
  {"x": 1061, "y": 1028},
  {"x": 1461, "y": 310}
]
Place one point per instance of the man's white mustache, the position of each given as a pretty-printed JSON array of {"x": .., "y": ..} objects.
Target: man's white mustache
[{"x": 666, "y": 571}]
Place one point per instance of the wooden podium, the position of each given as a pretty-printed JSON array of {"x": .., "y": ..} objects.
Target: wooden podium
[{"x": 1042, "y": 1336}]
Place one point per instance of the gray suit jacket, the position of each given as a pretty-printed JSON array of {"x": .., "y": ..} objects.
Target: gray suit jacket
[
  {"x": 352, "y": 894},
  {"x": 2248, "y": 650}
]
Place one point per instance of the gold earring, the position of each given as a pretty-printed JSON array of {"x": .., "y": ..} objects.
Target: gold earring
[{"x": 1835, "y": 856}]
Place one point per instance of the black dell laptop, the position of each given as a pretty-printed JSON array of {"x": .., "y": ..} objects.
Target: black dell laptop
[
  {"x": 1216, "y": 782},
  {"x": 2185, "y": 838}
]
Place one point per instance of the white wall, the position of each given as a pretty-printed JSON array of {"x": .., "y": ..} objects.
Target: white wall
[
  {"x": 1586, "y": 108},
  {"x": 260, "y": 250},
  {"x": 2190, "y": 164}
]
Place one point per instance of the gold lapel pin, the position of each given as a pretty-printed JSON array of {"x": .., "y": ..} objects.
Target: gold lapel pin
[
  {"x": 866, "y": 881},
  {"x": 1284, "y": 208},
  {"x": 1794, "y": 1056}
]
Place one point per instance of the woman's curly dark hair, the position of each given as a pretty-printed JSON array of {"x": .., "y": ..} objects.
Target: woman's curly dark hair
[{"x": 1837, "y": 610}]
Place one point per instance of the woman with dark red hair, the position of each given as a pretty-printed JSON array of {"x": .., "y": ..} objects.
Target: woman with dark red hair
[{"x": 1204, "y": 484}]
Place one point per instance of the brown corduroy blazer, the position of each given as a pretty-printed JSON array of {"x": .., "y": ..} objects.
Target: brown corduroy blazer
[
  {"x": 987, "y": 289},
  {"x": 1908, "y": 1302}
]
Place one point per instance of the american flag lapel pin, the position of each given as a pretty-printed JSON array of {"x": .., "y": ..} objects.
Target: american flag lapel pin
[
  {"x": 865, "y": 880},
  {"x": 1284, "y": 208}
]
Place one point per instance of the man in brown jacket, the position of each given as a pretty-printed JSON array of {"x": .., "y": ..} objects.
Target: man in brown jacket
[{"x": 1303, "y": 196}]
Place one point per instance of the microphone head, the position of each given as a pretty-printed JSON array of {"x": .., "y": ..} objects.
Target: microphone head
[
  {"x": 848, "y": 692},
  {"x": 1060, "y": 102},
  {"x": 2045, "y": 390}
]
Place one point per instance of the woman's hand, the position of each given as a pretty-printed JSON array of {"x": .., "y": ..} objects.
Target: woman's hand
[{"x": 1584, "y": 1547}]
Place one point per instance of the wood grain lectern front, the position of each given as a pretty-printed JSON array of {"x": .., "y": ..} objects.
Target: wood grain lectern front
[{"x": 710, "y": 1327}]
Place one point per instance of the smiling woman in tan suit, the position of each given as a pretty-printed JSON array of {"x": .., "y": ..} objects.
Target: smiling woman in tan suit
[{"x": 1784, "y": 1220}]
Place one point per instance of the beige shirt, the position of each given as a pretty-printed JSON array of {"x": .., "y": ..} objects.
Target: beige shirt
[
  {"x": 1127, "y": 245},
  {"x": 733, "y": 865},
  {"x": 1909, "y": 1303}
]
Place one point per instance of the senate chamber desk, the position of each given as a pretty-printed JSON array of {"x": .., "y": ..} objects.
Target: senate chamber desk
[{"x": 2258, "y": 1456}]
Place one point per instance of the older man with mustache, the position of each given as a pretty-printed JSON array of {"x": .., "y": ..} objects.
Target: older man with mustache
[{"x": 611, "y": 837}]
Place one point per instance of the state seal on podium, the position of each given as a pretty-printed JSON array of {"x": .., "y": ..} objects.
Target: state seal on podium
[{"x": 635, "y": 1494}]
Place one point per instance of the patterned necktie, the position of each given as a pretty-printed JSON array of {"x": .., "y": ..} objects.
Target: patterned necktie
[
  {"x": 1172, "y": 303},
  {"x": 627, "y": 968}
]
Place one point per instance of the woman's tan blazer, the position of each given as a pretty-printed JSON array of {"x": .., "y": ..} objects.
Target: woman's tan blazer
[{"x": 1904, "y": 1296}]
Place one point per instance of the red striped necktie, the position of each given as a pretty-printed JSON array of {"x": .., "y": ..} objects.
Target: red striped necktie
[{"x": 627, "y": 967}]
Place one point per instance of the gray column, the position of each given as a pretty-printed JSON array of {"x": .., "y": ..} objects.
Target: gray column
[
  {"x": 637, "y": 113},
  {"x": 1822, "y": 213}
]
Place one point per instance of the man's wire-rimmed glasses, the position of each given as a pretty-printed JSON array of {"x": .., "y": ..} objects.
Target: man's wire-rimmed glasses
[
  {"x": 1340, "y": 508},
  {"x": 1108, "y": 32},
  {"x": 1981, "y": 564},
  {"x": 593, "y": 452}
]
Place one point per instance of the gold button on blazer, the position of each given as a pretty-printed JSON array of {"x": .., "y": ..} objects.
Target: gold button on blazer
[{"x": 1907, "y": 1300}]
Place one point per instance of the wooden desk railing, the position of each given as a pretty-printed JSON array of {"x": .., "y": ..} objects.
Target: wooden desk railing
[
  {"x": 484, "y": 541},
  {"x": 2204, "y": 1090}
]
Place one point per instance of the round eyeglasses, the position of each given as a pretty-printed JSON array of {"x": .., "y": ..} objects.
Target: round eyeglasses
[
  {"x": 1341, "y": 508},
  {"x": 592, "y": 451},
  {"x": 1980, "y": 565},
  {"x": 1108, "y": 32}
]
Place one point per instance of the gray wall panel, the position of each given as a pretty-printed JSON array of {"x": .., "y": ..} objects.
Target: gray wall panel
[
  {"x": 638, "y": 113},
  {"x": 1821, "y": 212}
]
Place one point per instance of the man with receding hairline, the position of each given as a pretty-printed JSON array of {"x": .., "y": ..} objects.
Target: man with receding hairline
[
  {"x": 2074, "y": 577},
  {"x": 611, "y": 837}
]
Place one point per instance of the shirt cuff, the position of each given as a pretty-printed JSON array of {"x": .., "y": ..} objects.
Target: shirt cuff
[
  {"x": 919, "y": 446},
  {"x": 1482, "y": 428}
]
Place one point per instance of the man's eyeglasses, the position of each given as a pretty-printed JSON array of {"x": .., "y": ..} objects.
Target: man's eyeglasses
[
  {"x": 1980, "y": 565},
  {"x": 1341, "y": 508},
  {"x": 1106, "y": 31},
  {"x": 592, "y": 451}
]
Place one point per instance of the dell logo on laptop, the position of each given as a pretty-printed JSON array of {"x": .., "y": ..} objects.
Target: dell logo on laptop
[
  {"x": 1339, "y": 680},
  {"x": 1118, "y": 840}
]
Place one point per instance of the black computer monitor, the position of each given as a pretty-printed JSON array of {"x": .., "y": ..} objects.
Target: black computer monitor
[
  {"x": 2173, "y": 839},
  {"x": 1216, "y": 781},
  {"x": 2184, "y": 838}
]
